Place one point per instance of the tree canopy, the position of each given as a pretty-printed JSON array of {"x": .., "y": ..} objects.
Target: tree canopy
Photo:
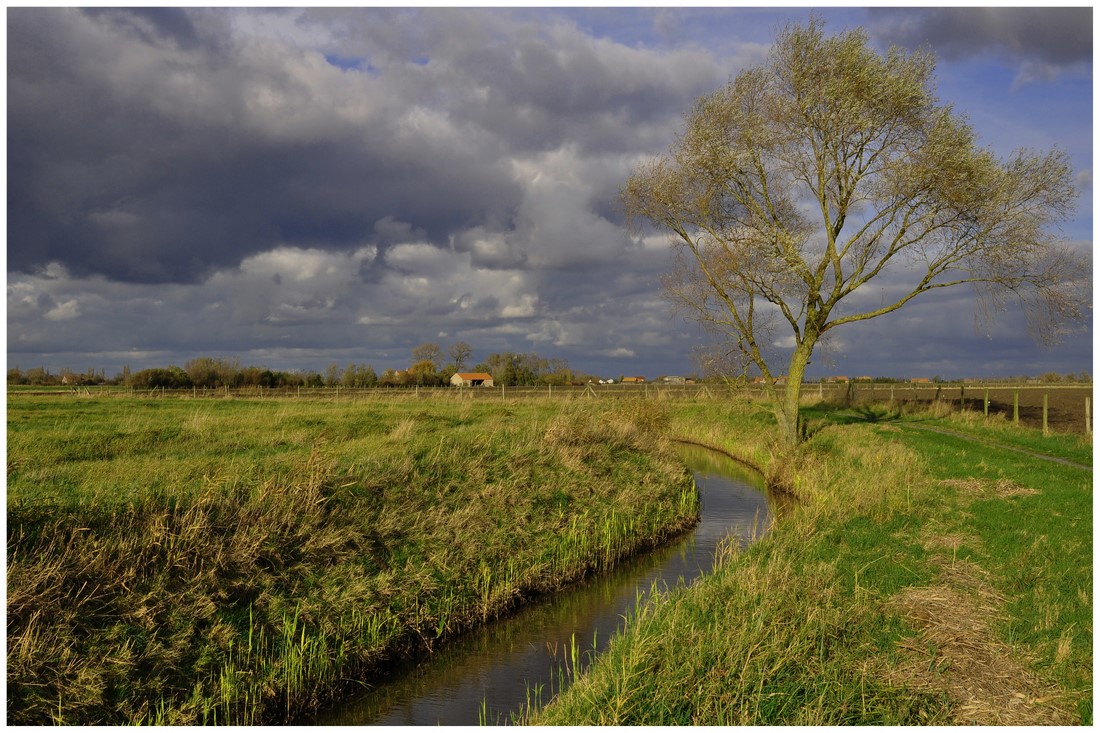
[{"x": 813, "y": 174}]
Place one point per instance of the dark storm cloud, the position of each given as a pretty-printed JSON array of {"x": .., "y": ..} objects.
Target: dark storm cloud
[
  {"x": 532, "y": 84},
  {"x": 1057, "y": 36},
  {"x": 297, "y": 186},
  {"x": 155, "y": 162},
  {"x": 152, "y": 24},
  {"x": 146, "y": 187}
]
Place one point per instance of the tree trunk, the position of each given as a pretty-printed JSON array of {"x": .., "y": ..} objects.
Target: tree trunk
[{"x": 786, "y": 411}]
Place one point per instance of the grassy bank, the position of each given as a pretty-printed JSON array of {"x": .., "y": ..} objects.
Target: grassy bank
[
  {"x": 178, "y": 562},
  {"x": 923, "y": 579}
]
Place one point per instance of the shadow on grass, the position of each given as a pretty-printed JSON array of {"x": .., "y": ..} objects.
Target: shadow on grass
[{"x": 816, "y": 417}]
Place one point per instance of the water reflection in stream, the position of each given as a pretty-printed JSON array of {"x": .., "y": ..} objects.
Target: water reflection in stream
[{"x": 490, "y": 674}]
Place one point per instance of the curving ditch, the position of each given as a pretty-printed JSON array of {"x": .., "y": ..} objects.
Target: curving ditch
[{"x": 492, "y": 674}]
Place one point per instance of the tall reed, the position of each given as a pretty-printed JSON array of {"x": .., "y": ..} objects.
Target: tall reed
[{"x": 293, "y": 548}]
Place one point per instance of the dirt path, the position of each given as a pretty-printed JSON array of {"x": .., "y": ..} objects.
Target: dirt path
[{"x": 994, "y": 444}]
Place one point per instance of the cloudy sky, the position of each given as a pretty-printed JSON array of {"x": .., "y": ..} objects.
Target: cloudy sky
[{"x": 294, "y": 188}]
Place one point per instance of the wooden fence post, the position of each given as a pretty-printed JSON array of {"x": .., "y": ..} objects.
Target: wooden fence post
[
  {"x": 1088, "y": 416},
  {"x": 1016, "y": 406},
  {"x": 1045, "y": 430},
  {"x": 986, "y": 401}
]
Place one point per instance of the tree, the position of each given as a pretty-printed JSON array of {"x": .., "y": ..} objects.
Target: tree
[
  {"x": 389, "y": 378},
  {"x": 423, "y": 373},
  {"x": 428, "y": 352},
  {"x": 350, "y": 377},
  {"x": 172, "y": 377},
  {"x": 513, "y": 369},
  {"x": 367, "y": 376},
  {"x": 332, "y": 375},
  {"x": 205, "y": 371},
  {"x": 460, "y": 353},
  {"x": 808, "y": 177}
]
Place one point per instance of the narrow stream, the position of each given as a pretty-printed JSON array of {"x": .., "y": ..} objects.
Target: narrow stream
[{"x": 492, "y": 674}]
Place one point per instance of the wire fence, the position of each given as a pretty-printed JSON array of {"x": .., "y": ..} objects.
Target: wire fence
[{"x": 1063, "y": 407}]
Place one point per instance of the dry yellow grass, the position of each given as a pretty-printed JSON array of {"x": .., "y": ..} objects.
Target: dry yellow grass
[
  {"x": 988, "y": 488},
  {"x": 956, "y": 653},
  {"x": 298, "y": 545}
]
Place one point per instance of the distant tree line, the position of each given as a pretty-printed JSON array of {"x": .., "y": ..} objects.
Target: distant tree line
[
  {"x": 429, "y": 367},
  {"x": 201, "y": 372}
]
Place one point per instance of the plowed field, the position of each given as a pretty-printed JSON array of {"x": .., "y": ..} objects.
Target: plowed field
[{"x": 1065, "y": 404}]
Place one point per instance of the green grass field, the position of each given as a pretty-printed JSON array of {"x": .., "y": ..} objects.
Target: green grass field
[
  {"x": 922, "y": 579},
  {"x": 235, "y": 561}
]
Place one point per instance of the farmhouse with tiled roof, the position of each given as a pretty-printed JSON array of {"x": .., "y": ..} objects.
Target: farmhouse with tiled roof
[{"x": 472, "y": 379}]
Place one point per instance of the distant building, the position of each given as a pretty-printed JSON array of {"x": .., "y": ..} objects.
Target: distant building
[
  {"x": 835, "y": 380},
  {"x": 472, "y": 379},
  {"x": 633, "y": 380},
  {"x": 920, "y": 380},
  {"x": 674, "y": 380},
  {"x": 865, "y": 379}
]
